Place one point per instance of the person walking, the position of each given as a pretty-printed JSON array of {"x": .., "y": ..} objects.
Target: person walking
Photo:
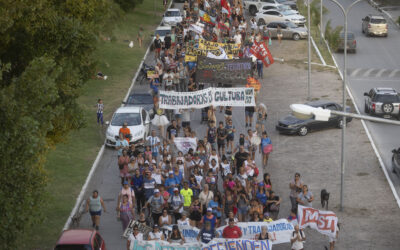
[
  {"x": 296, "y": 185},
  {"x": 207, "y": 234},
  {"x": 156, "y": 204},
  {"x": 279, "y": 34},
  {"x": 260, "y": 67},
  {"x": 100, "y": 109},
  {"x": 125, "y": 211},
  {"x": 140, "y": 37},
  {"x": 265, "y": 148},
  {"x": 232, "y": 231},
  {"x": 135, "y": 235},
  {"x": 297, "y": 239},
  {"x": 93, "y": 205}
]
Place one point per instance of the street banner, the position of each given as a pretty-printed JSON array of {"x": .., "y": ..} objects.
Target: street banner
[
  {"x": 281, "y": 230},
  {"x": 261, "y": 51},
  {"x": 145, "y": 230},
  {"x": 222, "y": 56},
  {"x": 230, "y": 48},
  {"x": 191, "y": 53},
  {"x": 205, "y": 17},
  {"x": 190, "y": 233},
  {"x": 220, "y": 244},
  {"x": 196, "y": 28},
  {"x": 203, "y": 98},
  {"x": 324, "y": 222},
  {"x": 185, "y": 143},
  {"x": 230, "y": 71}
]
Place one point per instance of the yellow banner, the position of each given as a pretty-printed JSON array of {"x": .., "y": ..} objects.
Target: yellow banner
[{"x": 230, "y": 48}]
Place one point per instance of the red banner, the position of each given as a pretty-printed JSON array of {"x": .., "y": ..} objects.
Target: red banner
[{"x": 261, "y": 51}]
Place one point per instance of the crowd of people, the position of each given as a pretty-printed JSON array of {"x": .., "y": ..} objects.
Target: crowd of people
[{"x": 217, "y": 183}]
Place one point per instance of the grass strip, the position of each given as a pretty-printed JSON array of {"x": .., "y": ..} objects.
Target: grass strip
[{"x": 70, "y": 162}]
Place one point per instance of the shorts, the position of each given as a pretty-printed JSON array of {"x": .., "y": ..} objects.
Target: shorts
[
  {"x": 249, "y": 114},
  {"x": 261, "y": 121},
  {"x": 230, "y": 138},
  {"x": 221, "y": 144},
  {"x": 94, "y": 213},
  {"x": 279, "y": 35},
  {"x": 154, "y": 154},
  {"x": 242, "y": 210},
  {"x": 185, "y": 124}
]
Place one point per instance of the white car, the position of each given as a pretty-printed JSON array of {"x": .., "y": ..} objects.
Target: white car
[
  {"x": 280, "y": 7},
  {"x": 172, "y": 17},
  {"x": 277, "y": 16},
  {"x": 138, "y": 123},
  {"x": 162, "y": 31},
  {"x": 254, "y": 6}
]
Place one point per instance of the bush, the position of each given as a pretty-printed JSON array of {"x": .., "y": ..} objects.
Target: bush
[
  {"x": 332, "y": 35},
  {"x": 398, "y": 20}
]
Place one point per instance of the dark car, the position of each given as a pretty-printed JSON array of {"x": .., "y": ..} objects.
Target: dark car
[
  {"x": 144, "y": 100},
  {"x": 351, "y": 43},
  {"x": 293, "y": 125},
  {"x": 80, "y": 239},
  {"x": 396, "y": 161}
]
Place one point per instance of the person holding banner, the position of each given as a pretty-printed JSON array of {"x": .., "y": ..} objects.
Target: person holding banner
[
  {"x": 176, "y": 236},
  {"x": 232, "y": 231},
  {"x": 156, "y": 234},
  {"x": 297, "y": 239},
  {"x": 207, "y": 234},
  {"x": 305, "y": 198},
  {"x": 264, "y": 235}
]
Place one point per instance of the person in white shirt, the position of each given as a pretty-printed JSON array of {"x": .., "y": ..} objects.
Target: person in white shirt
[
  {"x": 237, "y": 38},
  {"x": 135, "y": 235},
  {"x": 156, "y": 234},
  {"x": 297, "y": 239}
]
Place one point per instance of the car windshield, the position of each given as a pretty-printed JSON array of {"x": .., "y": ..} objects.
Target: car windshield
[
  {"x": 281, "y": 1},
  {"x": 172, "y": 13},
  {"x": 291, "y": 25},
  {"x": 73, "y": 247},
  {"x": 378, "y": 21},
  {"x": 132, "y": 119},
  {"x": 387, "y": 98},
  {"x": 349, "y": 35},
  {"x": 140, "y": 99},
  {"x": 163, "y": 32}
]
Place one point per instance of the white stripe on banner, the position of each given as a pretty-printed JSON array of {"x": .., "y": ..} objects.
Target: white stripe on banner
[{"x": 203, "y": 98}]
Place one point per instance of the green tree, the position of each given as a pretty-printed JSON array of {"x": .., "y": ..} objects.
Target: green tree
[
  {"x": 127, "y": 5},
  {"x": 46, "y": 55},
  {"x": 332, "y": 35}
]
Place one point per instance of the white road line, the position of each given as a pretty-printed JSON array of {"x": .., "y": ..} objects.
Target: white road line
[
  {"x": 394, "y": 72},
  {"x": 367, "y": 72},
  {"x": 380, "y": 73},
  {"x": 100, "y": 154},
  {"x": 355, "y": 72},
  {"x": 381, "y": 80},
  {"x": 381, "y": 163}
]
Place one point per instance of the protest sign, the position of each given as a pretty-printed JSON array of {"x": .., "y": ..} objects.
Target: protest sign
[
  {"x": 253, "y": 83},
  {"x": 261, "y": 51},
  {"x": 324, "y": 222},
  {"x": 230, "y": 48},
  {"x": 222, "y": 56},
  {"x": 281, "y": 230},
  {"x": 220, "y": 244},
  {"x": 145, "y": 230},
  {"x": 196, "y": 28},
  {"x": 230, "y": 71},
  {"x": 191, "y": 53},
  {"x": 185, "y": 143},
  {"x": 203, "y": 98}
]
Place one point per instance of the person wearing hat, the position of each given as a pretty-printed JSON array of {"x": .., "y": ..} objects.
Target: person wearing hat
[
  {"x": 207, "y": 234},
  {"x": 156, "y": 234},
  {"x": 135, "y": 235},
  {"x": 171, "y": 182},
  {"x": 176, "y": 236},
  {"x": 187, "y": 194},
  {"x": 232, "y": 231},
  {"x": 176, "y": 204},
  {"x": 209, "y": 217},
  {"x": 156, "y": 204}
]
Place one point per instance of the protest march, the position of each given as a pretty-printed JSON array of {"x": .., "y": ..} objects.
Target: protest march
[{"x": 182, "y": 189}]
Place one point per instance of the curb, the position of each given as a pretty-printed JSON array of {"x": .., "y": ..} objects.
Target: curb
[{"x": 100, "y": 154}]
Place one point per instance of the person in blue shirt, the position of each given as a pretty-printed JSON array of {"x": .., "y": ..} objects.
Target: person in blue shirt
[
  {"x": 261, "y": 194},
  {"x": 265, "y": 148},
  {"x": 137, "y": 185},
  {"x": 207, "y": 234},
  {"x": 216, "y": 207},
  {"x": 209, "y": 217},
  {"x": 171, "y": 183}
]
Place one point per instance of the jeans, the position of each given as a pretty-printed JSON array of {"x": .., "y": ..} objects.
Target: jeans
[
  {"x": 260, "y": 70},
  {"x": 100, "y": 118}
]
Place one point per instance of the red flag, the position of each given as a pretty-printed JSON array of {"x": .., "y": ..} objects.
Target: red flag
[
  {"x": 261, "y": 51},
  {"x": 225, "y": 7}
]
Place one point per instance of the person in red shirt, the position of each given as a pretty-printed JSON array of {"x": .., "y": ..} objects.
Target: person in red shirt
[{"x": 232, "y": 231}]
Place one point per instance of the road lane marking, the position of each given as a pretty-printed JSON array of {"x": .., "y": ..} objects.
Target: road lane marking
[
  {"x": 355, "y": 72},
  {"x": 394, "y": 72},
  {"x": 380, "y": 73},
  {"x": 367, "y": 72}
]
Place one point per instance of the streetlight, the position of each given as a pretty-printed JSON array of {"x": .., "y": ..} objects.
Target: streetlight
[
  {"x": 309, "y": 50},
  {"x": 345, "y": 13}
]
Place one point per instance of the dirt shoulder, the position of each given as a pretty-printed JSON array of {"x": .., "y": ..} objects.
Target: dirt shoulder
[{"x": 370, "y": 217}]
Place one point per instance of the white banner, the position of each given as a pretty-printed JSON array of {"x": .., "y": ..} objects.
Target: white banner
[
  {"x": 203, "y": 98},
  {"x": 324, "y": 222},
  {"x": 185, "y": 143},
  {"x": 220, "y": 244},
  {"x": 222, "y": 56},
  {"x": 281, "y": 230},
  {"x": 196, "y": 28}
]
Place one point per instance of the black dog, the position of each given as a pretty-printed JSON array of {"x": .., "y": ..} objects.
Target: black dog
[{"x": 324, "y": 198}]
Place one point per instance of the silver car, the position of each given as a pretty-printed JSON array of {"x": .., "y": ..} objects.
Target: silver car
[
  {"x": 382, "y": 102},
  {"x": 289, "y": 30},
  {"x": 374, "y": 25}
]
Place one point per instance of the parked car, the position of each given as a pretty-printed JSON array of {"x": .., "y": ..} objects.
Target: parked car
[
  {"x": 138, "y": 120},
  {"x": 254, "y": 6},
  {"x": 172, "y": 17},
  {"x": 277, "y": 16},
  {"x": 293, "y": 125},
  {"x": 280, "y": 7},
  {"x": 374, "y": 25},
  {"x": 396, "y": 161},
  {"x": 144, "y": 100},
  {"x": 351, "y": 42},
  {"x": 80, "y": 239},
  {"x": 289, "y": 30},
  {"x": 383, "y": 102}
]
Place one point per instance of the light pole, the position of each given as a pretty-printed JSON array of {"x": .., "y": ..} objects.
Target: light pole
[
  {"x": 343, "y": 156},
  {"x": 321, "y": 25},
  {"x": 309, "y": 51}
]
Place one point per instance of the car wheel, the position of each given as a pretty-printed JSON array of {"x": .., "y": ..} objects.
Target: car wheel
[
  {"x": 387, "y": 108},
  {"x": 303, "y": 131},
  {"x": 261, "y": 22},
  {"x": 296, "y": 37},
  {"x": 253, "y": 10}
]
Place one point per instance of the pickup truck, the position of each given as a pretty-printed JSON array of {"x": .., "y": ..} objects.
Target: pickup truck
[{"x": 254, "y": 6}]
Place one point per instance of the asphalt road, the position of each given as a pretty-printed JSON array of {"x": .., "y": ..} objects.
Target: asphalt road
[{"x": 376, "y": 64}]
